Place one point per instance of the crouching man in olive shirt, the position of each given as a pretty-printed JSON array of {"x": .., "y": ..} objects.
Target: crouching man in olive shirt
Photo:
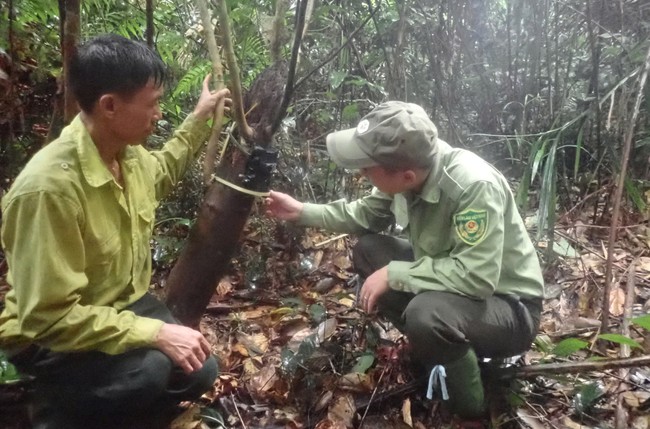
[{"x": 467, "y": 281}]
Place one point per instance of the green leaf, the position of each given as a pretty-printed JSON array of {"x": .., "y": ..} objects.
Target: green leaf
[
  {"x": 587, "y": 396},
  {"x": 643, "y": 321},
  {"x": 619, "y": 339},
  {"x": 563, "y": 248},
  {"x": 294, "y": 302},
  {"x": 544, "y": 343},
  {"x": 317, "y": 312},
  {"x": 337, "y": 78},
  {"x": 290, "y": 361},
  {"x": 212, "y": 418},
  {"x": 8, "y": 372},
  {"x": 350, "y": 113},
  {"x": 635, "y": 195},
  {"x": 569, "y": 346},
  {"x": 364, "y": 362}
]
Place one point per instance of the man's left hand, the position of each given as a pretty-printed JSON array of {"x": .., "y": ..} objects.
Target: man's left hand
[{"x": 374, "y": 287}]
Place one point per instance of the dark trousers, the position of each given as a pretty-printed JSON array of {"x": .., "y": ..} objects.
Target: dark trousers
[
  {"x": 136, "y": 389},
  {"x": 443, "y": 326}
]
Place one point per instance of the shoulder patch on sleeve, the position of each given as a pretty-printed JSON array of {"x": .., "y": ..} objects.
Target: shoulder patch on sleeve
[{"x": 471, "y": 225}]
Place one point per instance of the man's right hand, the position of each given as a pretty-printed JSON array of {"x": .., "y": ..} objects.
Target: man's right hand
[
  {"x": 208, "y": 100},
  {"x": 282, "y": 206},
  {"x": 186, "y": 347}
]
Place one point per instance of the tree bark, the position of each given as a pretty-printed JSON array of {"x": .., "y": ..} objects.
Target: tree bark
[
  {"x": 150, "y": 27},
  {"x": 224, "y": 211},
  {"x": 72, "y": 27},
  {"x": 210, "y": 246}
]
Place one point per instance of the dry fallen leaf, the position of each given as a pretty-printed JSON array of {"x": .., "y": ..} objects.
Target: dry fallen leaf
[
  {"x": 264, "y": 379},
  {"x": 326, "y": 329},
  {"x": 616, "y": 301},
  {"x": 342, "y": 410},
  {"x": 256, "y": 344},
  {"x": 356, "y": 382},
  {"x": 406, "y": 412},
  {"x": 224, "y": 287},
  {"x": 189, "y": 419}
]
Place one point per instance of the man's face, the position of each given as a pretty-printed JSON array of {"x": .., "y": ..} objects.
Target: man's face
[
  {"x": 389, "y": 182},
  {"x": 136, "y": 116}
]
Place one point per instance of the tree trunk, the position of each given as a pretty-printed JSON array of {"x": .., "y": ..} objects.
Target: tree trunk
[
  {"x": 70, "y": 40},
  {"x": 210, "y": 246},
  {"x": 150, "y": 27},
  {"x": 224, "y": 211}
]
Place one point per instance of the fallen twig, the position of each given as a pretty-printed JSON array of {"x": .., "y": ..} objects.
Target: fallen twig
[
  {"x": 237, "y": 410},
  {"x": 374, "y": 392},
  {"x": 569, "y": 367},
  {"x": 329, "y": 240}
]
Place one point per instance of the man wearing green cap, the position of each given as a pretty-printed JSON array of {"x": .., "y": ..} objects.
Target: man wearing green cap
[{"x": 467, "y": 281}]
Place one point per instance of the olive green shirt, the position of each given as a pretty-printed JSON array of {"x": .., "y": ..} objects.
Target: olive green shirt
[
  {"x": 78, "y": 244},
  {"x": 467, "y": 235}
]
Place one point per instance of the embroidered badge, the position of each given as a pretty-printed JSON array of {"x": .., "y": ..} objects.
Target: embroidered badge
[
  {"x": 363, "y": 126},
  {"x": 471, "y": 225}
]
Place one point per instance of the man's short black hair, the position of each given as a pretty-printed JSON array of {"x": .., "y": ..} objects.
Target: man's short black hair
[{"x": 112, "y": 64}]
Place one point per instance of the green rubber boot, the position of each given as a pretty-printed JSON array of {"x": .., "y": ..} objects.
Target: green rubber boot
[{"x": 465, "y": 388}]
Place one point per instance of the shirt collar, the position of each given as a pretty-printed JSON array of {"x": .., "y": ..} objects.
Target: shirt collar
[
  {"x": 431, "y": 189},
  {"x": 92, "y": 166}
]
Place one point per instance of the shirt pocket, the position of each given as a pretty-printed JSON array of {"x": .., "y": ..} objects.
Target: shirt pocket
[
  {"x": 144, "y": 223},
  {"x": 102, "y": 256},
  {"x": 146, "y": 216}
]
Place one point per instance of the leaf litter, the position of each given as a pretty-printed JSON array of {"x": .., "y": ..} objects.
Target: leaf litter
[{"x": 296, "y": 352}]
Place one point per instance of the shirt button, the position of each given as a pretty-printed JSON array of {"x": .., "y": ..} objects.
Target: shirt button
[{"x": 65, "y": 166}]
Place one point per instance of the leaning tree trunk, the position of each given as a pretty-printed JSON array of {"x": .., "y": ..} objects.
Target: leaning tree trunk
[{"x": 224, "y": 211}]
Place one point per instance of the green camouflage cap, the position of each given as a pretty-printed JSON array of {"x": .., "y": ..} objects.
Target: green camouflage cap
[{"x": 393, "y": 134}]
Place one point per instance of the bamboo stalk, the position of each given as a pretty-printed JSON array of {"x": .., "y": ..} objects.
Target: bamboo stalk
[
  {"x": 246, "y": 131},
  {"x": 217, "y": 80}
]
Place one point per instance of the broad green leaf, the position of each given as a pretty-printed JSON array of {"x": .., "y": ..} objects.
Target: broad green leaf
[
  {"x": 292, "y": 302},
  {"x": 569, "y": 346},
  {"x": 643, "y": 321},
  {"x": 563, "y": 248},
  {"x": 290, "y": 361},
  {"x": 350, "y": 113},
  {"x": 587, "y": 396},
  {"x": 317, "y": 312},
  {"x": 8, "y": 372},
  {"x": 619, "y": 339},
  {"x": 337, "y": 78},
  {"x": 364, "y": 362},
  {"x": 635, "y": 195}
]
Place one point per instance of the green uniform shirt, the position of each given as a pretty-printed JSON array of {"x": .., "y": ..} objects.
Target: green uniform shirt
[
  {"x": 77, "y": 243},
  {"x": 467, "y": 235}
]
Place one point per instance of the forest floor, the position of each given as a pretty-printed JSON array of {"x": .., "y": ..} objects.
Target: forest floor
[{"x": 296, "y": 352}]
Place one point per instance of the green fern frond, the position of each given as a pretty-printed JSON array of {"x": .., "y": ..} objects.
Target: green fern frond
[{"x": 192, "y": 80}]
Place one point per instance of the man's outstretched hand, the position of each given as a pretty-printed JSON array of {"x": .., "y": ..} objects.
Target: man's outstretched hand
[
  {"x": 209, "y": 99},
  {"x": 282, "y": 206},
  {"x": 186, "y": 347}
]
